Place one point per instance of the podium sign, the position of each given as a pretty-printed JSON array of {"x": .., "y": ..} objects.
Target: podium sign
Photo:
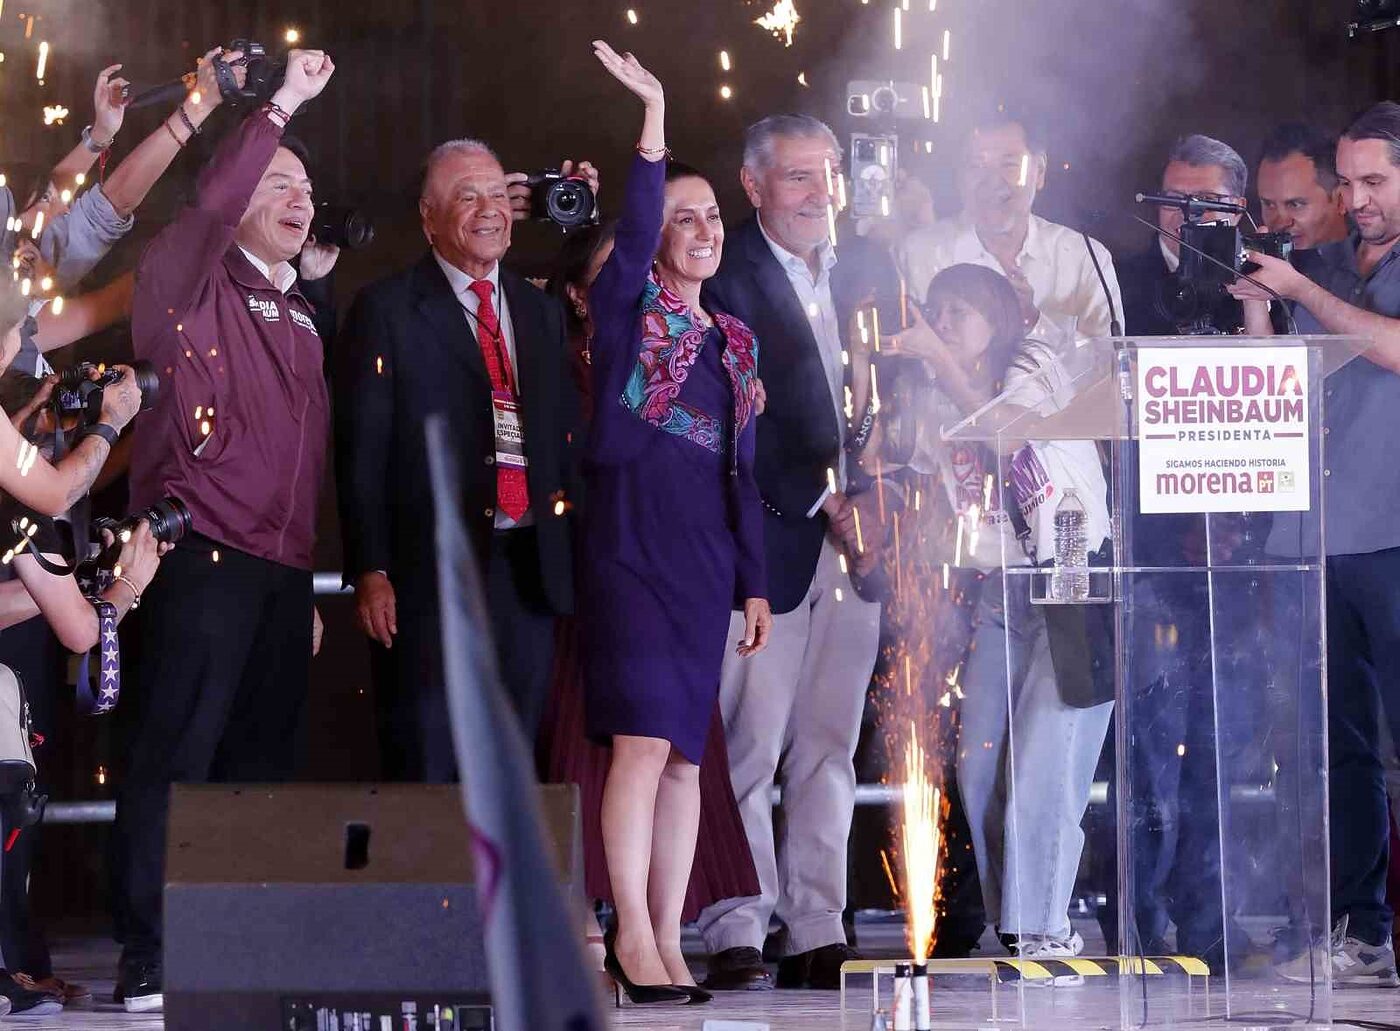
[
  {"x": 1211, "y": 852},
  {"x": 1223, "y": 429}
]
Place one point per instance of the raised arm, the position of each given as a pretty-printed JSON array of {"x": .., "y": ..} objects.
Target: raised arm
[
  {"x": 129, "y": 183},
  {"x": 109, "y": 110},
  {"x": 188, "y": 250},
  {"x": 638, "y": 233}
]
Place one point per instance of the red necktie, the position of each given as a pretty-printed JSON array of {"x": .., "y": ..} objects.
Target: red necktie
[{"x": 512, "y": 494}]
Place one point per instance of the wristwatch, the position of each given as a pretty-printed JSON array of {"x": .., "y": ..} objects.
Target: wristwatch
[
  {"x": 92, "y": 144},
  {"x": 100, "y": 429}
]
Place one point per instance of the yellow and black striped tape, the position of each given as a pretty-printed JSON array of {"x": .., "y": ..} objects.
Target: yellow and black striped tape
[{"x": 1039, "y": 969}]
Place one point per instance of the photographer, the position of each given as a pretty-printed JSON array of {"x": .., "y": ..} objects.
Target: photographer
[
  {"x": 238, "y": 435},
  {"x": 1354, "y": 290},
  {"x": 24, "y": 475},
  {"x": 1156, "y": 300}
]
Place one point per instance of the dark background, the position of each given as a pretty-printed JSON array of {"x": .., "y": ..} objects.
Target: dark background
[{"x": 1114, "y": 81}]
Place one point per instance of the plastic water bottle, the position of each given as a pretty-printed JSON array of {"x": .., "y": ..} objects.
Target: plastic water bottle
[{"x": 1070, "y": 580}]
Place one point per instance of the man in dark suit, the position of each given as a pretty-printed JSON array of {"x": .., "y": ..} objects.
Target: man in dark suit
[
  {"x": 793, "y": 716},
  {"x": 1156, "y": 300},
  {"x": 460, "y": 336}
]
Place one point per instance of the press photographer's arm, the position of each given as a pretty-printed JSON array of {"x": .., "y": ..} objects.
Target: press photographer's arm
[
  {"x": 24, "y": 475},
  {"x": 58, "y": 599}
]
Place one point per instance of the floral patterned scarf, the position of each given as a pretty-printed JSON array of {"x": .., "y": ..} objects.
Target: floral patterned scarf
[{"x": 671, "y": 343}]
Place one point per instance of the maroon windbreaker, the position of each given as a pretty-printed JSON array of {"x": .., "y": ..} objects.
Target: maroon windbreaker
[{"x": 223, "y": 338}]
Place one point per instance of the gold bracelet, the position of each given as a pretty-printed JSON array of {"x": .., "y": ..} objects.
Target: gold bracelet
[
  {"x": 135, "y": 594},
  {"x": 649, "y": 152}
]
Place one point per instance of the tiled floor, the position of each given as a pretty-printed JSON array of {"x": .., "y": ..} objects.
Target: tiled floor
[{"x": 962, "y": 1003}]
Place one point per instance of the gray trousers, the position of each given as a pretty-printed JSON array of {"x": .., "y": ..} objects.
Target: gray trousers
[
  {"x": 1025, "y": 765},
  {"x": 792, "y": 716}
]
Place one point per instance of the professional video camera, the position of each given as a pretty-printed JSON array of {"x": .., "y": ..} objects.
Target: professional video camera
[
  {"x": 342, "y": 226},
  {"x": 79, "y": 393},
  {"x": 565, "y": 200},
  {"x": 1213, "y": 252},
  {"x": 1213, "y": 255}
]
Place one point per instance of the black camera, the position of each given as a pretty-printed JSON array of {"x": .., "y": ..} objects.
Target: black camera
[
  {"x": 168, "y": 518},
  {"x": 79, "y": 393},
  {"x": 264, "y": 76},
  {"x": 1213, "y": 253},
  {"x": 342, "y": 226},
  {"x": 567, "y": 201}
]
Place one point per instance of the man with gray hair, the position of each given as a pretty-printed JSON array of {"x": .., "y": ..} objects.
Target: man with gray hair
[
  {"x": 461, "y": 336},
  {"x": 1155, "y": 301},
  {"x": 792, "y": 714}
]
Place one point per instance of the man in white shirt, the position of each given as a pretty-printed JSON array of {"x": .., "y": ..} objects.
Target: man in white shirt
[{"x": 1051, "y": 266}]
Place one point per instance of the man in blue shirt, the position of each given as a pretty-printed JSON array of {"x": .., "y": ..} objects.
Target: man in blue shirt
[{"x": 1354, "y": 290}]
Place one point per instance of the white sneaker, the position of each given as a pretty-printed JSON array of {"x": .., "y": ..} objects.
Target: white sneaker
[
  {"x": 1355, "y": 963},
  {"x": 1037, "y": 948}
]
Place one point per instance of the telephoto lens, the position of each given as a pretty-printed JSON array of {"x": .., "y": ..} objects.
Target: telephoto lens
[
  {"x": 168, "y": 518},
  {"x": 342, "y": 226}
]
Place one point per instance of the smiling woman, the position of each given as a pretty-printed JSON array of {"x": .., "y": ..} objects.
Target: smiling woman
[{"x": 673, "y": 537}]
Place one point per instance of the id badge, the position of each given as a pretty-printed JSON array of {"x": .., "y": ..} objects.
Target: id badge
[{"x": 510, "y": 437}]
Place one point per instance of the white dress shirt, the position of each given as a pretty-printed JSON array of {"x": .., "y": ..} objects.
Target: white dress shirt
[
  {"x": 814, "y": 295},
  {"x": 281, "y": 275},
  {"x": 1054, "y": 260},
  {"x": 461, "y": 284}
]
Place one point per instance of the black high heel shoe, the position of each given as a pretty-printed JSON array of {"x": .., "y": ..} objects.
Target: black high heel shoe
[
  {"x": 695, "y": 994},
  {"x": 637, "y": 994}
]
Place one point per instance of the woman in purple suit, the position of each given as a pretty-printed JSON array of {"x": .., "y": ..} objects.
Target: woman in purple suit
[{"x": 673, "y": 537}]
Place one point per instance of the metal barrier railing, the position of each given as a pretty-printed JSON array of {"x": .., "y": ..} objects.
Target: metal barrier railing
[{"x": 866, "y": 795}]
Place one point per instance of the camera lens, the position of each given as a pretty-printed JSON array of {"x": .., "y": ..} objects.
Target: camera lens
[
  {"x": 885, "y": 100},
  {"x": 148, "y": 382},
  {"x": 169, "y": 520},
  {"x": 570, "y": 203}
]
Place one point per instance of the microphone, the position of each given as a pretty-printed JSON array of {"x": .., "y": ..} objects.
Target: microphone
[
  {"x": 1193, "y": 205},
  {"x": 170, "y": 92},
  {"x": 1293, "y": 325},
  {"x": 1115, "y": 328}
]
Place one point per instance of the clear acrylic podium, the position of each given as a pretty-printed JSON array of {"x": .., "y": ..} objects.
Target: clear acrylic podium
[{"x": 1203, "y": 622}]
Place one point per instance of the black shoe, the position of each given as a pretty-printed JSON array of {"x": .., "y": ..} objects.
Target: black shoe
[
  {"x": 638, "y": 994},
  {"x": 737, "y": 970},
  {"x": 139, "y": 986},
  {"x": 697, "y": 996},
  {"x": 22, "y": 1000},
  {"x": 819, "y": 968}
]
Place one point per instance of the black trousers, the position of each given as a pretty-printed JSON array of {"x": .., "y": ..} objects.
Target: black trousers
[
  {"x": 33, "y": 652},
  {"x": 222, "y": 682},
  {"x": 415, "y": 735}
]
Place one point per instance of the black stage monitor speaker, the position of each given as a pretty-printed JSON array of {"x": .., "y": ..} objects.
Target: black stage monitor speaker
[{"x": 306, "y": 906}]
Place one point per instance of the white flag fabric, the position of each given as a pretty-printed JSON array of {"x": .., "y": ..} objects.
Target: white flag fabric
[{"x": 539, "y": 979}]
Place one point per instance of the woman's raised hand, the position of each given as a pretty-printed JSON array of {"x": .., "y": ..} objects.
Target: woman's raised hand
[{"x": 627, "y": 70}]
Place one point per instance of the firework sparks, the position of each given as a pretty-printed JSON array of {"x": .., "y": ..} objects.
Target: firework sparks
[
  {"x": 43, "y": 61},
  {"x": 724, "y": 62},
  {"x": 781, "y": 20},
  {"x": 1025, "y": 168},
  {"x": 55, "y": 114},
  {"x": 920, "y": 837},
  {"x": 631, "y": 16}
]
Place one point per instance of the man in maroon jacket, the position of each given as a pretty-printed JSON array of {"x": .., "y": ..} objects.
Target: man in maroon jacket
[{"x": 239, "y": 435}]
